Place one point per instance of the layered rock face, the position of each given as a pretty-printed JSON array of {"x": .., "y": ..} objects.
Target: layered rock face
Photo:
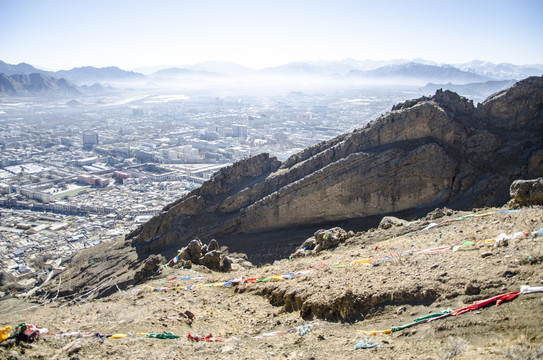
[{"x": 430, "y": 151}]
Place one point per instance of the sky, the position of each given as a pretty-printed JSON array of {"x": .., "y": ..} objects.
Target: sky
[{"x": 62, "y": 34}]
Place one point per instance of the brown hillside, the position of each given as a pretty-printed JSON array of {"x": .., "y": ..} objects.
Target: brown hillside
[{"x": 336, "y": 300}]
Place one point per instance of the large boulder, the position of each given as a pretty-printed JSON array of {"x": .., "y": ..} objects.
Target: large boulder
[
  {"x": 322, "y": 240},
  {"x": 151, "y": 266},
  {"x": 207, "y": 255},
  {"x": 389, "y": 221},
  {"x": 527, "y": 192}
]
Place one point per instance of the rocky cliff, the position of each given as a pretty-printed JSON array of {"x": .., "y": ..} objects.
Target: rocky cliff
[
  {"x": 439, "y": 150},
  {"x": 430, "y": 152}
]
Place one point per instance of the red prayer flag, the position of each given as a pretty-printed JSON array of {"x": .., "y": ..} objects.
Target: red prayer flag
[{"x": 482, "y": 303}]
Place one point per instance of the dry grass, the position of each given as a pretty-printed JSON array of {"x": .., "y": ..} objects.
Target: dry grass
[{"x": 455, "y": 346}]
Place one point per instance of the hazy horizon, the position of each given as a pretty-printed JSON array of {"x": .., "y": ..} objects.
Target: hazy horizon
[
  {"x": 63, "y": 34},
  {"x": 367, "y": 64}
]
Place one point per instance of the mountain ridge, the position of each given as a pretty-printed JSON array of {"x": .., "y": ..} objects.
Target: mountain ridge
[
  {"x": 262, "y": 207},
  {"x": 37, "y": 84},
  {"x": 402, "y": 147},
  {"x": 419, "y": 69},
  {"x": 415, "y": 71}
]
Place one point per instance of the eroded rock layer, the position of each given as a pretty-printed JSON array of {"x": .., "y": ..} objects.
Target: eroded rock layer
[{"x": 430, "y": 151}]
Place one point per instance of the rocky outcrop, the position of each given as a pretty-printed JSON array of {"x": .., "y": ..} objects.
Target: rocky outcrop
[
  {"x": 389, "y": 221},
  {"x": 151, "y": 266},
  {"x": 322, "y": 240},
  {"x": 429, "y": 151},
  {"x": 527, "y": 192},
  {"x": 207, "y": 255}
]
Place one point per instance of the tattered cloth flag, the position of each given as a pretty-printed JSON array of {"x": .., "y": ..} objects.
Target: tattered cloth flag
[
  {"x": 525, "y": 289},
  {"x": 4, "y": 333},
  {"x": 208, "y": 338},
  {"x": 302, "y": 330},
  {"x": 366, "y": 345},
  {"x": 298, "y": 252},
  {"x": 445, "y": 313},
  {"x": 306, "y": 328},
  {"x": 163, "y": 335},
  {"x": 482, "y": 303},
  {"x": 466, "y": 243},
  {"x": 27, "y": 332},
  {"x": 417, "y": 321}
]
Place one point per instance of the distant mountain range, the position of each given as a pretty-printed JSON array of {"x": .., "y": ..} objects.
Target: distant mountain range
[
  {"x": 89, "y": 74},
  {"x": 476, "y": 91},
  {"x": 501, "y": 71},
  {"x": 413, "y": 72},
  {"x": 80, "y": 75},
  {"x": 37, "y": 84},
  {"x": 418, "y": 72}
]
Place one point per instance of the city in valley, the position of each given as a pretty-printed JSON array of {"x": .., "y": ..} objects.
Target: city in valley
[{"x": 77, "y": 171}]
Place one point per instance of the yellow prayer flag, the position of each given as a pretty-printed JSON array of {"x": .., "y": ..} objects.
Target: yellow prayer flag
[
  {"x": 363, "y": 261},
  {"x": 375, "y": 332},
  {"x": 4, "y": 333}
]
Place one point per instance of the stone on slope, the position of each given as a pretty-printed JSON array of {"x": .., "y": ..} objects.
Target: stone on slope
[{"x": 527, "y": 192}]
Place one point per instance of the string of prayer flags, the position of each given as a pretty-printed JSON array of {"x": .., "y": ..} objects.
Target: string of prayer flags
[
  {"x": 302, "y": 330},
  {"x": 375, "y": 332},
  {"x": 433, "y": 250},
  {"x": 298, "y": 252},
  {"x": 27, "y": 332},
  {"x": 440, "y": 249},
  {"x": 417, "y": 321},
  {"x": 265, "y": 335},
  {"x": 208, "y": 338},
  {"x": 175, "y": 259},
  {"x": 482, "y": 303},
  {"x": 466, "y": 243},
  {"x": 256, "y": 280},
  {"x": 433, "y": 225},
  {"x": 422, "y": 320},
  {"x": 498, "y": 299}
]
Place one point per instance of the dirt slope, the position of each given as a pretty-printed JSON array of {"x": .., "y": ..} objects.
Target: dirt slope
[{"x": 336, "y": 301}]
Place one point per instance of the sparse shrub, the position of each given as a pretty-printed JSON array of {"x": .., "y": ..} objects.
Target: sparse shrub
[
  {"x": 534, "y": 257},
  {"x": 524, "y": 352},
  {"x": 401, "y": 257},
  {"x": 455, "y": 346}
]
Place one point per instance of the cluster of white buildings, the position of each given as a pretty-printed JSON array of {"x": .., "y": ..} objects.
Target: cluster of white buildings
[{"x": 75, "y": 176}]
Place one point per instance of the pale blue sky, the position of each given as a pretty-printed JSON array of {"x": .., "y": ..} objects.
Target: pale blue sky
[{"x": 61, "y": 34}]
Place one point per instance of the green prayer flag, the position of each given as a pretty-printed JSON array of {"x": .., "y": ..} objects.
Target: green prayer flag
[{"x": 163, "y": 335}]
